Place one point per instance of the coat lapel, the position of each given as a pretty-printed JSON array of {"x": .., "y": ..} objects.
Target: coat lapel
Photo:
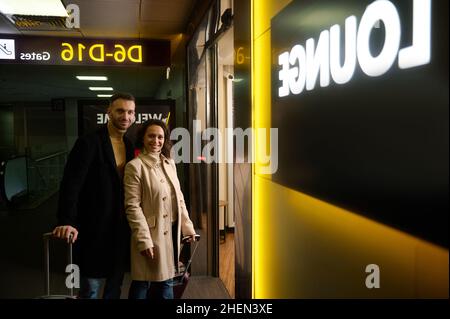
[
  {"x": 129, "y": 148},
  {"x": 169, "y": 170},
  {"x": 107, "y": 148}
]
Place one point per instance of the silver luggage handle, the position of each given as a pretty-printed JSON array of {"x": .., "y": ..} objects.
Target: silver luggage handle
[
  {"x": 188, "y": 264},
  {"x": 186, "y": 238},
  {"x": 47, "y": 237}
]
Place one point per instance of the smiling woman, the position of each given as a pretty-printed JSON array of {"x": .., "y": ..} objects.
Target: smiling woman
[{"x": 156, "y": 212}]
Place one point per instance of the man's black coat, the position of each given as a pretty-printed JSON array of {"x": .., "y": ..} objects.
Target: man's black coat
[{"x": 91, "y": 199}]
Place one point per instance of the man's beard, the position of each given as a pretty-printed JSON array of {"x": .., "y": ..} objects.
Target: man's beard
[{"x": 118, "y": 127}]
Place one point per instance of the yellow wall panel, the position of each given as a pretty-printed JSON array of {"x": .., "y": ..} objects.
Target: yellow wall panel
[
  {"x": 262, "y": 96},
  {"x": 307, "y": 248},
  {"x": 265, "y": 10}
]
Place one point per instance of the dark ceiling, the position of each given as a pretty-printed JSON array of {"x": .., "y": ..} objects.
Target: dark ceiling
[{"x": 106, "y": 19}]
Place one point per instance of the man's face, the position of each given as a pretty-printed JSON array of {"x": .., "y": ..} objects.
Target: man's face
[{"x": 121, "y": 113}]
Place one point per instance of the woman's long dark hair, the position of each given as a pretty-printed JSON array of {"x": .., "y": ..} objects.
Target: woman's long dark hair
[{"x": 167, "y": 146}]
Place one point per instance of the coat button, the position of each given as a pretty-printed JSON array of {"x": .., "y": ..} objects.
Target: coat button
[
  {"x": 164, "y": 198},
  {"x": 165, "y": 233},
  {"x": 162, "y": 181},
  {"x": 165, "y": 215}
]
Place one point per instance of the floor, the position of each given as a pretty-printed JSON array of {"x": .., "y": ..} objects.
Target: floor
[
  {"x": 200, "y": 287},
  {"x": 226, "y": 262}
]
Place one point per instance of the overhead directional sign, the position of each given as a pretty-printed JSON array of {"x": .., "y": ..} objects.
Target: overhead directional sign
[{"x": 81, "y": 51}]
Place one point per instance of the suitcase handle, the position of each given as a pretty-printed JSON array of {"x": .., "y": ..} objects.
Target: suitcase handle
[
  {"x": 186, "y": 238},
  {"x": 188, "y": 264},
  {"x": 47, "y": 237}
]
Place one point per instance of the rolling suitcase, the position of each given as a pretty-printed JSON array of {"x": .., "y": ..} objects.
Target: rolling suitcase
[
  {"x": 47, "y": 237},
  {"x": 181, "y": 279}
]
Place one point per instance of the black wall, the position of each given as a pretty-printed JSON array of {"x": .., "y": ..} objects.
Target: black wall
[{"x": 377, "y": 146}]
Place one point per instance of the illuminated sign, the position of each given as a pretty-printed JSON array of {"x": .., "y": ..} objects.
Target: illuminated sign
[
  {"x": 7, "y": 49},
  {"x": 80, "y": 51},
  {"x": 359, "y": 94},
  {"x": 300, "y": 67},
  {"x": 103, "y": 118},
  {"x": 92, "y": 114},
  {"x": 96, "y": 53}
]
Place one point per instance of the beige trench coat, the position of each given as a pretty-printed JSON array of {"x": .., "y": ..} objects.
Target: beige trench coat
[{"x": 146, "y": 204}]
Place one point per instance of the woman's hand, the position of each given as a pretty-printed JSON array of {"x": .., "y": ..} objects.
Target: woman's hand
[
  {"x": 191, "y": 238},
  {"x": 148, "y": 253}
]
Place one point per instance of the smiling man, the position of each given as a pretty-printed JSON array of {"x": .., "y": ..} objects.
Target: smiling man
[{"x": 91, "y": 204}]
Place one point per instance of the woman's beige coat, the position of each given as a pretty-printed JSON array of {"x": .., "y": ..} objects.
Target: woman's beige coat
[{"x": 146, "y": 204}]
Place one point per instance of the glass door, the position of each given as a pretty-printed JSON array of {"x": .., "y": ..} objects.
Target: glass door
[{"x": 210, "y": 77}]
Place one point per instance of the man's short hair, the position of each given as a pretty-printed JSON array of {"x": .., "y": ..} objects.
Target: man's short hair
[{"x": 123, "y": 96}]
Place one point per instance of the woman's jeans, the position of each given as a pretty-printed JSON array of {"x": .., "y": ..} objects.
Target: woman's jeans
[{"x": 160, "y": 289}]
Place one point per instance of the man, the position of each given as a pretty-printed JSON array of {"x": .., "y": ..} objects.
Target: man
[{"x": 91, "y": 207}]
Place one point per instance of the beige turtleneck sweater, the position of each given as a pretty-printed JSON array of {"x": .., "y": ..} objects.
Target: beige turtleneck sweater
[{"x": 116, "y": 137}]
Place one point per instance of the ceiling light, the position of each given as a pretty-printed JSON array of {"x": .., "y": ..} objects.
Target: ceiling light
[
  {"x": 100, "y": 88},
  {"x": 104, "y": 95},
  {"x": 91, "y": 78},
  {"x": 50, "y": 8}
]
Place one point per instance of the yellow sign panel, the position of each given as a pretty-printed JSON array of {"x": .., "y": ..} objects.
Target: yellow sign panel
[
  {"x": 96, "y": 52},
  {"x": 72, "y": 51}
]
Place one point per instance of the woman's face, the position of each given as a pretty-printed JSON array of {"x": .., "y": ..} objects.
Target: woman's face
[{"x": 154, "y": 138}]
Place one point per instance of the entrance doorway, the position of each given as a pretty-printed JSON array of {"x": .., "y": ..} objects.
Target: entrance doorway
[
  {"x": 210, "y": 80},
  {"x": 226, "y": 224}
]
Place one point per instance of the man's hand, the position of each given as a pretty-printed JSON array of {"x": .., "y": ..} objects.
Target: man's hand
[
  {"x": 148, "y": 253},
  {"x": 64, "y": 232}
]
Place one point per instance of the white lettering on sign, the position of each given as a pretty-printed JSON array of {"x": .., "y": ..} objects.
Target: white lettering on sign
[
  {"x": 143, "y": 117},
  {"x": 39, "y": 56},
  {"x": 102, "y": 118},
  {"x": 301, "y": 67}
]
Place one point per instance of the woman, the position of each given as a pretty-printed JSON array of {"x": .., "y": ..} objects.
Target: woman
[{"x": 156, "y": 213}]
